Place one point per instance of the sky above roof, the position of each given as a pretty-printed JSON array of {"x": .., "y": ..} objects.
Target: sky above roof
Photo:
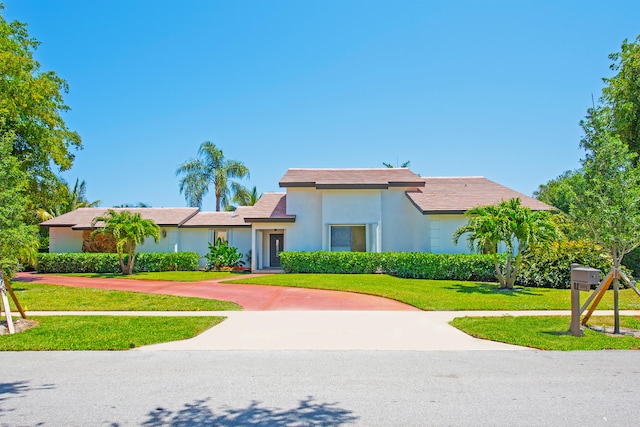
[{"x": 483, "y": 88}]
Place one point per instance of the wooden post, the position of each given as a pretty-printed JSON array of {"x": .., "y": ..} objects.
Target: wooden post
[
  {"x": 7, "y": 284},
  {"x": 603, "y": 288},
  {"x": 5, "y": 304}
]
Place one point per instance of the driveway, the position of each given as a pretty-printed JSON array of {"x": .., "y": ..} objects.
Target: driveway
[{"x": 281, "y": 318}]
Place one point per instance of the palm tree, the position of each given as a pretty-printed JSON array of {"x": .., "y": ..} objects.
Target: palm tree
[
  {"x": 210, "y": 168},
  {"x": 509, "y": 223},
  {"x": 128, "y": 230},
  {"x": 244, "y": 197},
  {"x": 404, "y": 165},
  {"x": 67, "y": 200}
]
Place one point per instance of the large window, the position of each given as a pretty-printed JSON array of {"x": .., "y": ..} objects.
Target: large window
[
  {"x": 349, "y": 238},
  {"x": 215, "y": 234}
]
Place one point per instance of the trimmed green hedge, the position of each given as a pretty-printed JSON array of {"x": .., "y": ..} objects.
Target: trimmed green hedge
[
  {"x": 417, "y": 265},
  {"x": 108, "y": 263}
]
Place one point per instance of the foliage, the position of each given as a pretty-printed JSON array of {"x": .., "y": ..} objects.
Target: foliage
[
  {"x": 67, "y": 200},
  {"x": 608, "y": 204},
  {"x": 244, "y": 197},
  {"x": 211, "y": 168},
  {"x": 550, "y": 266},
  {"x": 404, "y": 165},
  {"x": 438, "y": 294},
  {"x": 18, "y": 241},
  {"x": 545, "y": 332},
  {"x": 511, "y": 224},
  {"x": 109, "y": 263},
  {"x": 618, "y": 110},
  {"x": 561, "y": 191},
  {"x": 30, "y": 107},
  {"x": 128, "y": 229},
  {"x": 223, "y": 255},
  {"x": 403, "y": 264},
  {"x": 105, "y": 332}
]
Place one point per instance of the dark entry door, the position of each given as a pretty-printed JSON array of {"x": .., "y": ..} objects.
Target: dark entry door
[{"x": 276, "y": 245}]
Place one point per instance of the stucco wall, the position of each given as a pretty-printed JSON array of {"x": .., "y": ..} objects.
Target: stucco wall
[
  {"x": 305, "y": 234},
  {"x": 64, "y": 239},
  {"x": 441, "y": 228},
  {"x": 403, "y": 227},
  {"x": 168, "y": 241},
  {"x": 198, "y": 239}
]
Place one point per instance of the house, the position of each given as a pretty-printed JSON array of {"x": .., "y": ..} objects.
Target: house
[{"x": 372, "y": 210}]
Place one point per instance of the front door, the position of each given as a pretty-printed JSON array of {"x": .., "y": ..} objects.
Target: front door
[{"x": 276, "y": 245}]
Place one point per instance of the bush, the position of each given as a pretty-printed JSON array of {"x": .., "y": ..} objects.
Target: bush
[
  {"x": 108, "y": 263},
  {"x": 222, "y": 255},
  {"x": 552, "y": 267},
  {"x": 417, "y": 265}
]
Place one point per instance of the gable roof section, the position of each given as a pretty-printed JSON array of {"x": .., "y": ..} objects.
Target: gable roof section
[
  {"x": 272, "y": 207},
  {"x": 217, "y": 219},
  {"x": 448, "y": 195},
  {"x": 80, "y": 219},
  {"x": 351, "y": 179}
]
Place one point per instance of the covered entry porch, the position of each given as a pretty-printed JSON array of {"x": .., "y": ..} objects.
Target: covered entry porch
[{"x": 267, "y": 241}]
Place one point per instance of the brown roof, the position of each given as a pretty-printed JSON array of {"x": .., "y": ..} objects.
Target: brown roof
[
  {"x": 378, "y": 178},
  {"x": 272, "y": 207},
  {"x": 81, "y": 218},
  {"x": 459, "y": 194},
  {"x": 217, "y": 219}
]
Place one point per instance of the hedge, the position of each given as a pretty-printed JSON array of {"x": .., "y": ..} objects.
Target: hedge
[
  {"x": 108, "y": 262},
  {"x": 417, "y": 265}
]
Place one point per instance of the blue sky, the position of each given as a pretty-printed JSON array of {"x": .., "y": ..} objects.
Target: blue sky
[{"x": 491, "y": 88}]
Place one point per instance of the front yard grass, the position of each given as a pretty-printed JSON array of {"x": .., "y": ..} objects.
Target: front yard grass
[
  {"x": 441, "y": 294},
  {"x": 548, "y": 332},
  {"x": 42, "y": 297},
  {"x": 104, "y": 332}
]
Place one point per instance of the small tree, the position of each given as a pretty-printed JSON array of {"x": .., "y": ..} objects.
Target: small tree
[
  {"x": 129, "y": 230},
  {"x": 511, "y": 224}
]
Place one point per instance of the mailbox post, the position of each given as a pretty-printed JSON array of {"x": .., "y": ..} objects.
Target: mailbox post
[{"x": 581, "y": 280}]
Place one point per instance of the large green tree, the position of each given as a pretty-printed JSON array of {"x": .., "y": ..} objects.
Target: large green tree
[
  {"x": 129, "y": 230},
  {"x": 211, "y": 168},
  {"x": 510, "y": 227},
  {"x": 618, "y": 109},
  {"x": 31, "y": 107},
  {"x": 607, "y": 205}
]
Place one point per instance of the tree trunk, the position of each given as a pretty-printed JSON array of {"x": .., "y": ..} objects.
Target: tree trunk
[{"x": 616, "y": 302}]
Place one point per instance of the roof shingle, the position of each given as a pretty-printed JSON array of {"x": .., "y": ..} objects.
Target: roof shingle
[
  {"x": 459, "y": 194},
  {"x": 81, "y": 218},
  {"x": 375, "y": 178}
]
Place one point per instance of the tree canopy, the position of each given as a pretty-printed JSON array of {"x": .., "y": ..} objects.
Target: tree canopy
[
  {"x": 211, "y": 168},
  {"x": 31, "y": 107}
]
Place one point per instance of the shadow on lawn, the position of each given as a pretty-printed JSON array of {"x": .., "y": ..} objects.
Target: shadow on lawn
[
  {"x": 490, "y": 289},
  {"x": 308, "y": 412}
]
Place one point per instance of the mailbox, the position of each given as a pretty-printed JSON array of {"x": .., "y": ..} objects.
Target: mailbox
[{"x": 585, "y": 275}]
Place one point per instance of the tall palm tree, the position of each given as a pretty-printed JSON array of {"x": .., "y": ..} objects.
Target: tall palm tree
[
  {"x": 509, "y": 223},
  {"x": 68, "y": 199},
  {"x": 211, "y": 167},
  {"x": 129, "y": 230}
]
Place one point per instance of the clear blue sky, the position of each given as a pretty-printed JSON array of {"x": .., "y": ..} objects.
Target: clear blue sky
[{"x": 491, "y": 88}]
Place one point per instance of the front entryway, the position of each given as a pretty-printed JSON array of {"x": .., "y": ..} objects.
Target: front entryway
[{"x": 276, "y": 245}]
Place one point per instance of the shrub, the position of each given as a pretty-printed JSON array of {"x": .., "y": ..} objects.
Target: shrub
[
  {"x": 418, "y": 265},
  {"x": 222, "y": 255},
  {"x": 552, "y": 267},
  {"x": 108, "y": 263}
]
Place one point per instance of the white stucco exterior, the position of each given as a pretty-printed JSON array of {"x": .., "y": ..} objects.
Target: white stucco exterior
[{"x": 63, "y": 239}]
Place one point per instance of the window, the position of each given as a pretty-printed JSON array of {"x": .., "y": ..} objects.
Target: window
[
  {"x": 348, "y": 238},
  {"x": 215, "y": 234}
]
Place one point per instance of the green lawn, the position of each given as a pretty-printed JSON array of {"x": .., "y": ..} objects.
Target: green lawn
[
  {"x": 441, "y": 294},
  {"x": 41, "y": 297},
  {"x": 547, "y": 333},
  {"x": 104, "y": 332},
  {"x": 168, "y": 276}
]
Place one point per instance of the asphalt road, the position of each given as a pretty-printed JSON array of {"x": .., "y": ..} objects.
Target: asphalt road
[{"x": 319, "y": 388}]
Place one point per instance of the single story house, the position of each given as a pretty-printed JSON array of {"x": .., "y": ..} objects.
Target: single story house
[{"x": 373, "y": 210}]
